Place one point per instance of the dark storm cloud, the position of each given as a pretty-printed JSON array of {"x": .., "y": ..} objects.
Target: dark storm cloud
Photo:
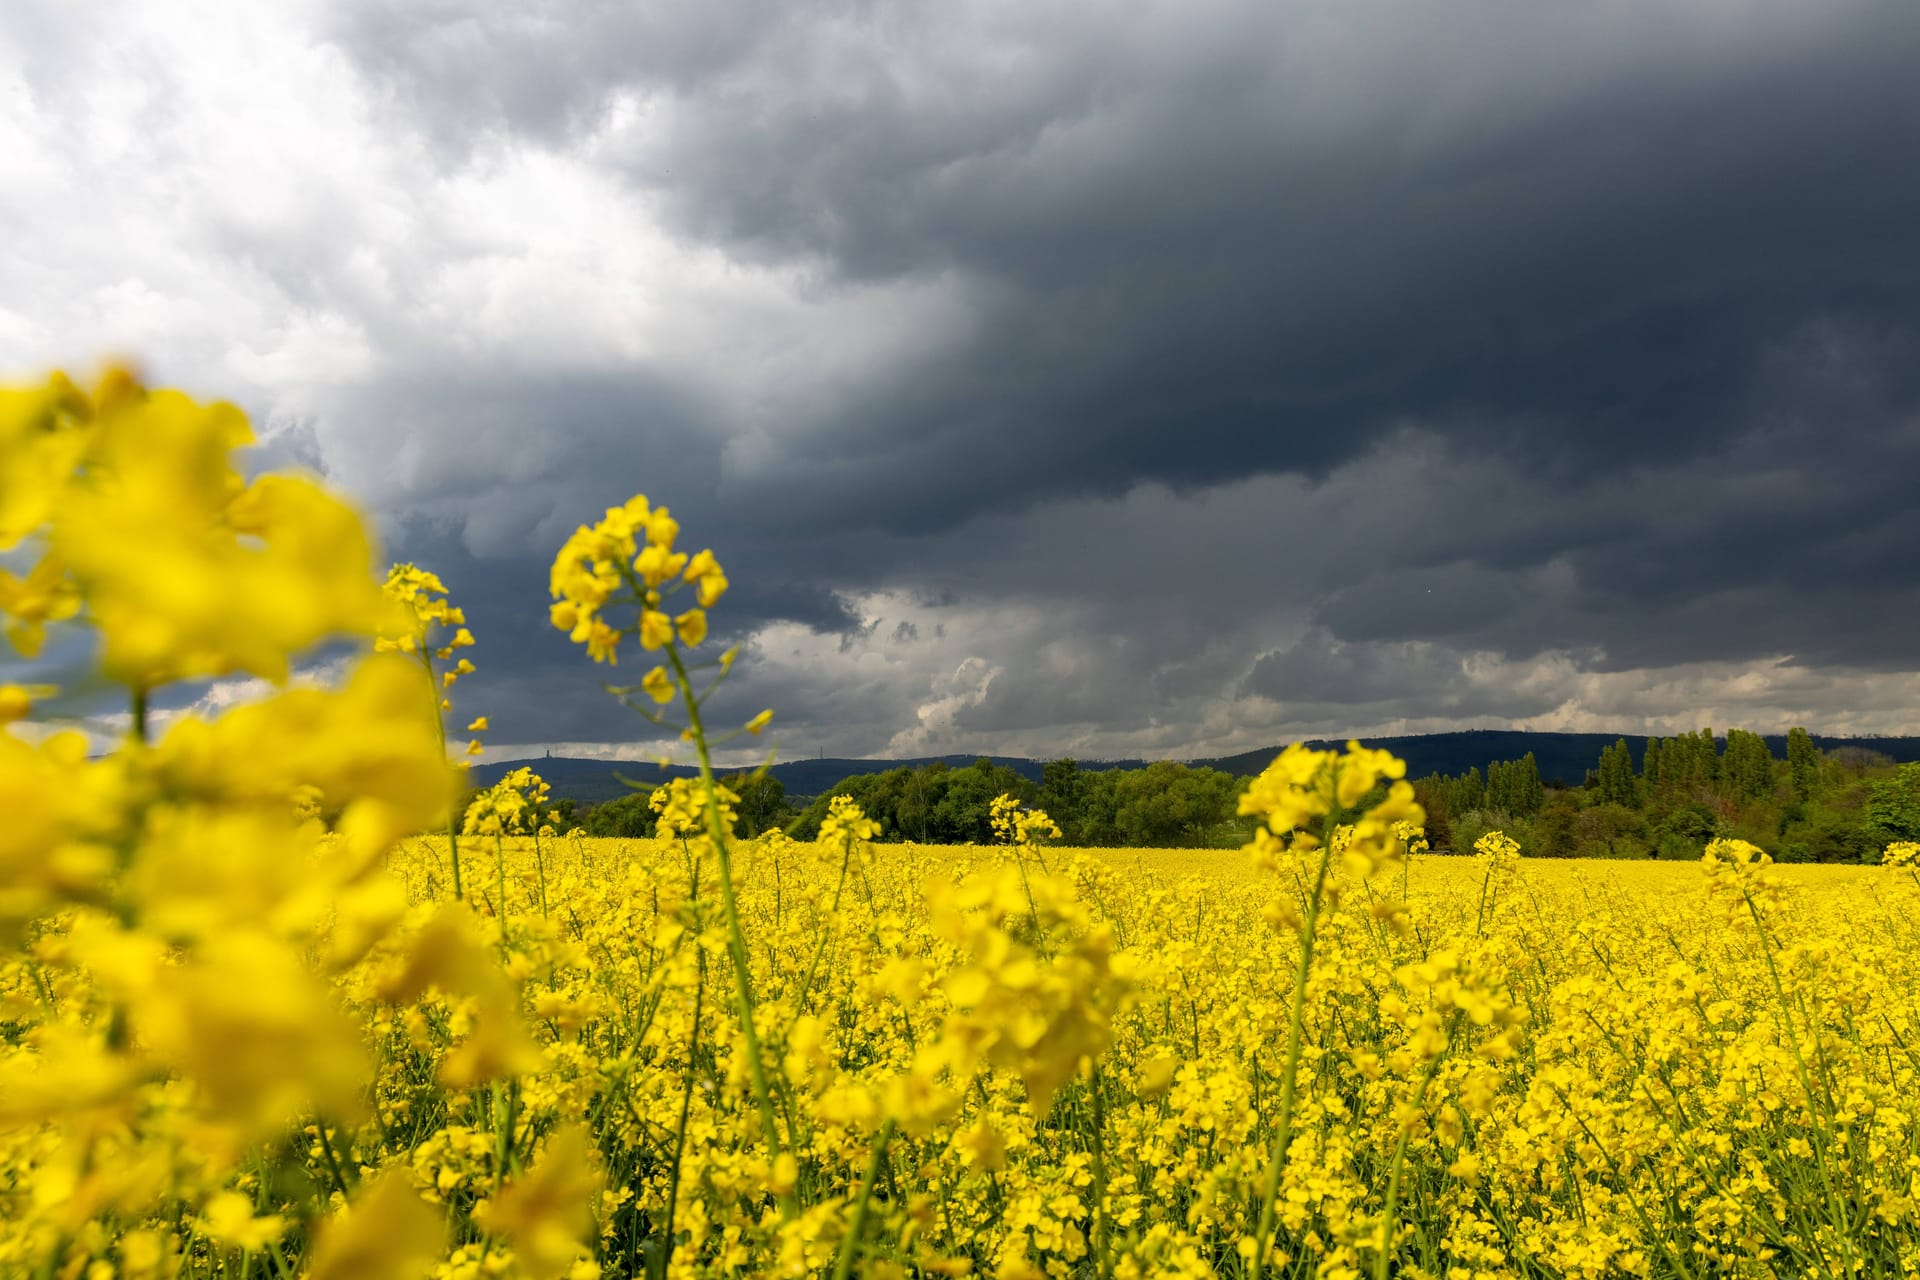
[
  {"x": 1256, "y": 237},
  {"x": 1325, "y": 677},
  {"x": 1169, "y": 383}
]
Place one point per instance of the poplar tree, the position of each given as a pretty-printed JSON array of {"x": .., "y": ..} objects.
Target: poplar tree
[
  {"x": 1803, "y": 764},
  {"x": 1514, "y": 786},
  {"x": 1533, "y": 791},
  {"x": 1747, "y": 770},
  {"x": 1709, "y": 758},
  {"x": 1616, "y": 781}
]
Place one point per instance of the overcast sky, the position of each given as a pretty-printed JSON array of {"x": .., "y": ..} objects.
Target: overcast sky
[{"x": 1114, "y": 379}]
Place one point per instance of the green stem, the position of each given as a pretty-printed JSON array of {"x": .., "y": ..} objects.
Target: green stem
[
  {"x": 736, "y": 939},
  {"x": 333, "y": 1162},
  {"x": 850, "y": 1243},
  {"x": 440, "y": 729},
  {"x": 500, "y": 862},
  {"x": 540, "y": 865},
  {"x": 1480, "y": 920},
  {"x": 833, "y": 913},
  {"x": 504, "y": 1098},
  {"x": 1836, "y": 1215},
  {"x": 686, "y": 1109},
  {"x": 1400, "y": 1157},
  {"x": 1283, "y": 1135},
  {"x": 1102, "y": 1226}
]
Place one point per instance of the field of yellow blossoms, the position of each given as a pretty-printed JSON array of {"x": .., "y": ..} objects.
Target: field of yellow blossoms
[{"x": 275, "y": 1003}]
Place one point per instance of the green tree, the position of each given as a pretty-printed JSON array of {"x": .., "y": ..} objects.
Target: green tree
[
  {"x": 1708, "y": 758},
  {"x": 1551, "y": 833},
  {"x": 964, "y": 812},
  {"x": 879, "y": 794},
  {"x": 1893, "y": 806},
  {"x": 763, "y": 802},
  {"x": 1099, "y": 810},
  {"x": 1609, "y": 830},
  {"x": 1061, "y": 796},
  {"x": 1500, "y": 786},
  {"x": 630, "y": 818},
  {"x": 1831, "y": 835},
  {"x": 562, "y": 815},
  {"x": 1803, "y": 764},
  {"x": 1686, "y": 830},
  {"x": 1615, "y": 780},
  {"x": 1472, "y": 793},
  {"x": 1746, "y": 771},
  {"x": 1430, "y": 793},
  {"x": 1168, "y": 805},
  {"x": 1514, "y": 786}
]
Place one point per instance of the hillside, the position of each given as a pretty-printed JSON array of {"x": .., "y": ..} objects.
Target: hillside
[{"x": 593, "y": 781}]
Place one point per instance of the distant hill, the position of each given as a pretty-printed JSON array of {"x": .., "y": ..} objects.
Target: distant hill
[
  {"x": 594, "y": 781},
  {"x": 1564, "y": 757}
]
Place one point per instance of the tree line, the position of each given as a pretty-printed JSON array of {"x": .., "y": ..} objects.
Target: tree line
[
  {"x": 1810, "y": 806},
  {"x": 1164, "y": 805},
  {"x": 1844, "y": 805}
]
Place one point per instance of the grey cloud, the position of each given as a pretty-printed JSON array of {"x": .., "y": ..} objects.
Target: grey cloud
[
  {"x": 1258, "y": 237},
  {"x": 1227, "y": 372},
  {"x": 1320, "y": 676},
  {"x": 472, "y": 69}
]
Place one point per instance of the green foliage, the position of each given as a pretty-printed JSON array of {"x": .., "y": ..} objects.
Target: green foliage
[
  {"x": 1747, "y": 767},
  {"x": 1839, "y": 806},
  {"x": 763, "y": 802},
  {"x": 1893, "y": 805},
  {"x": 1610, "y": 829},
  {"x": 1685, "y": 831},
  {"x": 1164, "y": 805},
  {"x": 1803, "y": 764},
  {"x": 933, "y": 803},
  {"x": 1168, "y": 805},
  {"x": 1615, "y": 782},
  {"x": 1449, "y": 797},
  {"x": 1514, "y": 786},
  {"x": 1428, "y": 794},
  {"x": 1823, "y": 833},
  {"x": 1461, "y": 809},
  {"x": 1471, "y": 825},
  {"x": 1552, "y": 830},
  {"x": 629, "y": 817},
  {"x": 1684, "y": 763},
  {"x": 1842, "y": 806}
]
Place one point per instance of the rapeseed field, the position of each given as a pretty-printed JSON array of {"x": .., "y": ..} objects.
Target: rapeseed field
[{"x": 274, "y": 1002}]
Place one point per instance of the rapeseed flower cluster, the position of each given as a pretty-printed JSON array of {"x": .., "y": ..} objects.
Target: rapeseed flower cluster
[
  {"x": 181, "y": 909},
  {"x": 255, "y": 1023},
  {"x": 515, "y": 805},
  {"x": 629, "y": 558}
]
